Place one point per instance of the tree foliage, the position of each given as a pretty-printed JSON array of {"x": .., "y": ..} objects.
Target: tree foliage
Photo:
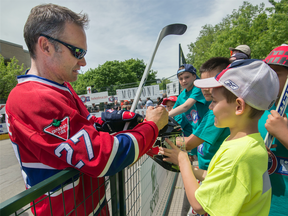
[
  {"x": 261, "y": 29},
  {"x": 8, "y": 75},
  {"x": 113, "y": 75}
]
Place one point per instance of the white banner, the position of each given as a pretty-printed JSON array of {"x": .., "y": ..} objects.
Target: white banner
[
  {"x": 2, "y": 109},
  {"x": 155, "y": 182},
  {"x": 172, "y": 89},
  {"x": 3, "y": 128},
  {"x": 147, "y": 91},
  {"x": 96, "y": 98}
]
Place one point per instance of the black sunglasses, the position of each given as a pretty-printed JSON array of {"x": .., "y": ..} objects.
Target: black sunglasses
[{"x": 76, "y": 52}]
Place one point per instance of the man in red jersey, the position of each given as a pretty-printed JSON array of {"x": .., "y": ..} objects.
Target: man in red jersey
[{"x": 52, "y": 130}]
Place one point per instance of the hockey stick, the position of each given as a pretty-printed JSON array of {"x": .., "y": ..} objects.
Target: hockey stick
[
  {"x": 281, "y": 107},
  {"x": 173, "y": 29}
]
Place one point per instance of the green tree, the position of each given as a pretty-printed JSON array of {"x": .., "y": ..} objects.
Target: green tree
[
  {"x": 262, "y": 29},
  {"x": 113, "y": 75},
  {"x": 8, "y": 74},
  {"x": 164, "y": 81}
]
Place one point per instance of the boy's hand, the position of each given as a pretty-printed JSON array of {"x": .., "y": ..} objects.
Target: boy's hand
[
  {"x": 276, "y": 124},
  {"x": 174, "y": 155}
]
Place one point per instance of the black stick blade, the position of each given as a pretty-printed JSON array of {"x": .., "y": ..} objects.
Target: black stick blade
[{"x": 173, "y": 29}]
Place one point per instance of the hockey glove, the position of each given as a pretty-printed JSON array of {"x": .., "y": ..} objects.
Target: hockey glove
[{"x": 115, "y": 120}]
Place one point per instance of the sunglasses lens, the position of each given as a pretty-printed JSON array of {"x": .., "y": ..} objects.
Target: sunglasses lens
[{"x": 79, "y": 53}]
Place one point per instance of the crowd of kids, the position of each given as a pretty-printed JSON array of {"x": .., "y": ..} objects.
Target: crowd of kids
[{"x": 232, "y": 158}]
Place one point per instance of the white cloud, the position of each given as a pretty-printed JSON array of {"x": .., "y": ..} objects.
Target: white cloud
[{"x": 124, "y": 29}]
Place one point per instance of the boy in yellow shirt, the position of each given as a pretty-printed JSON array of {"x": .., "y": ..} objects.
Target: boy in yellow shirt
[{"x": 237, "y": 181}]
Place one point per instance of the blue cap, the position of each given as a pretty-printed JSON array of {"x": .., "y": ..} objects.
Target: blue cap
[{"x": 187, "y": 68}]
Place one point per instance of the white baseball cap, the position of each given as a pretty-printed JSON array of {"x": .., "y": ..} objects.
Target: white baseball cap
[
  {"x": 250, "y": 79},
  {"x": 242, "y": 48}
]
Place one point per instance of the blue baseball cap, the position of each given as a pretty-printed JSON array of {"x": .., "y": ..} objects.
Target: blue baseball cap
[{"x": 187, "y": 68}]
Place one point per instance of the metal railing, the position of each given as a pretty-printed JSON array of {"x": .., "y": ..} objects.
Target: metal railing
[{"x": 124, "y": 191}]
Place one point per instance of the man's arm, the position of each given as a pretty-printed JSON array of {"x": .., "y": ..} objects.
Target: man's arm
[
  {"x": 182, "y": 108},
  {"x": 74, "y": 141}
]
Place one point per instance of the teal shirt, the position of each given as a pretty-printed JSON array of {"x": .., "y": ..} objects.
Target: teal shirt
[
  {"x": 213, "y": 137},
  {"x": 190, "y": 120},
  {"x": 278, "y": 171}
]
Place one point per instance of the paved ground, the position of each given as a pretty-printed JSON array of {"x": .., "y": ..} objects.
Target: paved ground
[{"x": 11, "y": 181}]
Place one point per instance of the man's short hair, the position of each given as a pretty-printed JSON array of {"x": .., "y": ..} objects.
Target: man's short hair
[
  {"x": 230, "y": 98},
  {"x": 215, "y": 63},
  {"x": 49, "y": 19}
]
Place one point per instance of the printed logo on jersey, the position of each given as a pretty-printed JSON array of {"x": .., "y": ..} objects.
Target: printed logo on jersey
[
  {"x": 59, "y": 128},
  {"x": 272, "y": 163},
  {"x": 200, "y": 149},
  {"x": 278, "y": 165},
  {"x": 193, "y": 116}
]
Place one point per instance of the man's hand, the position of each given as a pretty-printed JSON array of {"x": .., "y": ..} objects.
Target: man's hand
[{"x": 158, "y": 115}]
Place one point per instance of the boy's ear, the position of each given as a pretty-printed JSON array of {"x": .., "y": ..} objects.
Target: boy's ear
[{"x": 240, "y": 106}]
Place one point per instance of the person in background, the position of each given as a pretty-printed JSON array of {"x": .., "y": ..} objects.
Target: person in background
[
  {"x": 169, "y": 102},
  {"x": 52, "y": 129},
  {"x": 116, "y": 105},
  {"x": 158, "y": 99},
  {"x": 191, "y": 105},
  {"x": 238, "y": 56},
  {"x": 149, "y": 102},
  {"x": 277, "y": 126},
  {"x": 139, "y": 104},
  {"x": 245, "y": 49}
]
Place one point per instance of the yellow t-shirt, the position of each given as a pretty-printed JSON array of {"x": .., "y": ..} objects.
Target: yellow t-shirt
[{"x": 237, "y": 181}]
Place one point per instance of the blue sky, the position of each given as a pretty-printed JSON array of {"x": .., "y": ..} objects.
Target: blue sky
[{"x": 124, "y": 29}]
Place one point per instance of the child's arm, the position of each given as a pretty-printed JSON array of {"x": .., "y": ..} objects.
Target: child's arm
[
  {"x": 183, "y": 107},
  {"x": 191, "y": 142},
  {"x": 180, "y": 158},
  {"x": 199, "y": 174},
  {"x": 277, "y": 126}
]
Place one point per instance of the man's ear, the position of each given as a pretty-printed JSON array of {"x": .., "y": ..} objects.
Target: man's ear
[
  {"x": 44, "y": 46},
  {"x": 240, "y": 106}
]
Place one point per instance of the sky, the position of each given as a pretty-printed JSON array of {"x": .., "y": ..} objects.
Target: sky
[{"x": 125, "y": 29}]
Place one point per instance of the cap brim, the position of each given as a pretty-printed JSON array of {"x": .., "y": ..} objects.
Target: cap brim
[
  {"x": 164, "y": 101},
  {"x": 231, "y": 48},
  {"x": 207, "y": 83}
]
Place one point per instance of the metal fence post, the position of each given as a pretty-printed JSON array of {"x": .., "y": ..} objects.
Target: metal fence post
[
  {"x": 122, "y": 196},
  {"x": 114, "y": 195}
]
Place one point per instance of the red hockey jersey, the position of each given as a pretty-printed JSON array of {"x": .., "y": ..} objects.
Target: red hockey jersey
[{"x": 51, "y": 129}]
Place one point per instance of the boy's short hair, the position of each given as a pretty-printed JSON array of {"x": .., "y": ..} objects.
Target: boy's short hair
[
  {"x": 215, "y": 63},
  {"x": 252, "y": 80},
  {"x": 230, "y": 98},
  {"x": 186, "y": 68}
]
